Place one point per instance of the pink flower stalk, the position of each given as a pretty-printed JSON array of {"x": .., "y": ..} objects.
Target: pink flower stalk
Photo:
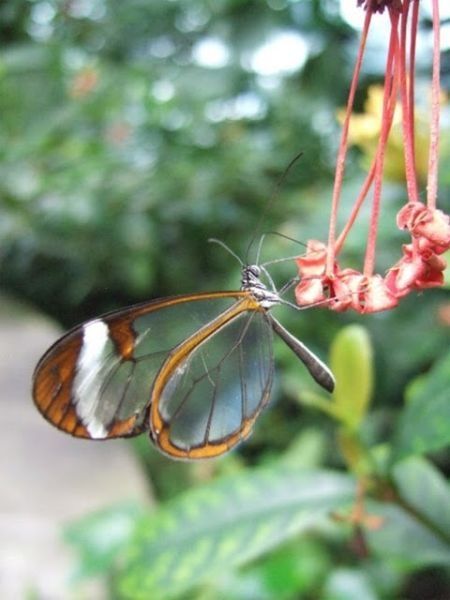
[{"x": 421, "y": 266}]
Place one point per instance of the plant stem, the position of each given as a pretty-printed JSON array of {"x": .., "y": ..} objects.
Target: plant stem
[
  {"x": 407, "y": 99},
  {"x": 343, "y": 146},
  {"x": 433, "y": 157},
  {"x": 390, "y": 93}
]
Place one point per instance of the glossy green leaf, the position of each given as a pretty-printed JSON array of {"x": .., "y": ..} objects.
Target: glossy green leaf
[
  {"x": 226, "y": 524},
  {"x": 422, "y": 487},
  {"x": 424, "y": 424},
  {"x": 352, "y": 364},
  {"x": 288, "y": 573},
  {"x": 404, "y": 539}
]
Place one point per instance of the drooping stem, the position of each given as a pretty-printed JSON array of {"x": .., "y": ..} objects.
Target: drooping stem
[
  {"x": 411, "y": 93},
  {"x": 343, "y": 146},
  {"x": 356, "y": 207},
  {"x": 390, "y": 91},
  {"x": 412, "y": 74},
  {"x": 433, "y": 157},
  {"x": 368, "y": 180},
  {"x": 407, "y": 100}
]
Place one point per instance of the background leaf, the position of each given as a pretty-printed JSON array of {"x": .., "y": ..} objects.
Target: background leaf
[
  {"x": 288, "y": 573},
  {"x": 425, "y": 490},
  {"x": 226, "y": 524},
  {"x": 416, "y": 530},
  {"x": 404, "y": 540},
  {"x": 424, "y": 424}
]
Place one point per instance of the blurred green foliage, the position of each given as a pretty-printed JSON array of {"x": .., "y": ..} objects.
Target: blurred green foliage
[
  {"x": 130, "y": 133},
  {"x": 121, "y": 154}
]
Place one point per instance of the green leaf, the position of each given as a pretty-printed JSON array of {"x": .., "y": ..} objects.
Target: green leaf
[
  {"x": 404, "y": 540},
  {"x": 424, "y": 424},
  {"x": 352, "y": 364},
  {"x": 100, "y": 537},
  {"x": 223, "y": 525},
  {"x": 290, "y": 572},
  {"x": 422, "y": 487},
  {"x": 295, "y": 568}
]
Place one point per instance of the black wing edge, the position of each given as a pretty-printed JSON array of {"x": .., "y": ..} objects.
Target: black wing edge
[{"x": 318, "y": 370}]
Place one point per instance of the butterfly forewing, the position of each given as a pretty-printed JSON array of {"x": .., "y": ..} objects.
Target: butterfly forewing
[
  {"x": 96, "y": 381},
  {"x": 214, "y": 388}
]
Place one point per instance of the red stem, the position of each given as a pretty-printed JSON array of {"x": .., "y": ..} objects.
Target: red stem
[
  {"x": 390, "y": 92},
  {"x": 412, "y": 76},
  {"x": 433, "y": 157},
  {"x": 343, "y": 146},
  {"x": 367, "y": 182},
  {"x": 407, "y": 109}
]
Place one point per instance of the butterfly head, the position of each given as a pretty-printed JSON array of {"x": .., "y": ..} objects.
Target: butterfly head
[{"x": 251, "y": 282}]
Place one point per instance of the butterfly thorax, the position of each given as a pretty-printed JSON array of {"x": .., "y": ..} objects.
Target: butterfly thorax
[{"x": 251, "y": 282}]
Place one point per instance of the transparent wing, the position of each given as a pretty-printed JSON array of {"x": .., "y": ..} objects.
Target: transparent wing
[
  {"x": 211, "y": 389},
  {"x": 96, "y": 381}
]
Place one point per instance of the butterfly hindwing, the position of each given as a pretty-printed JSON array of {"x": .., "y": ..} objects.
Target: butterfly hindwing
[{"x": 210, "y": 391}]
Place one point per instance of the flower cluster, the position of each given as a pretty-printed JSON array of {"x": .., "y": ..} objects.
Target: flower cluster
[
  {"x": 342, "y": 289},
  {"x": 322, "y": 279},
  {"x": 420, "y": 267}
]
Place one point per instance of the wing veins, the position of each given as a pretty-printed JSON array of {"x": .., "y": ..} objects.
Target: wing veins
[
  {"x": 111, "y": 373},
  {"x": 150, "y": 355},
  {"x": 67, "y": 407},
  {"x": 123, "y": 395},
  {"x": 56, "y": 392},
  {"x": 211, "y": 411},
  {"x": 211, "y": 381},
  {"x": 213, "y": 375},
  {"x": 209, "y": 371},
  {"x": 244, "y": 399}
]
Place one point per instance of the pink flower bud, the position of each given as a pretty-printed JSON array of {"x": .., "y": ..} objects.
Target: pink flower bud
[
  {"x": 401, "y": 278},
  {"x": 434, "y": 226},
  {"x": 312, "y": 264},
  {"x": 309, "y": 291},
  {"x": 433, "y": 274},
  {"x": 347, "y": 289},
  {"x": 407, "y": 216},
  {"x": 377, "y": 296}
]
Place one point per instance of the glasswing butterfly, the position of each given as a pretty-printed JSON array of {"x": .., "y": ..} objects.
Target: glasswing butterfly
[{"x": 195, "y": 371}]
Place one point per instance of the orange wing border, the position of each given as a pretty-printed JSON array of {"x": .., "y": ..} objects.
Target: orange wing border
[{"x": 55, "y": 372}]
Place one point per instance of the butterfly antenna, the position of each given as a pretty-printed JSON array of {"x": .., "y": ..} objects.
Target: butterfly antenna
[
  {"x": 258, "y": 253},
  {"x": 269, "y": 204},
  {"x": 286, "y": 237},
  {"x": 227, "y": 248},
  {"x": 278, "y": 260},
  {"x": 288, "y": 285}
]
